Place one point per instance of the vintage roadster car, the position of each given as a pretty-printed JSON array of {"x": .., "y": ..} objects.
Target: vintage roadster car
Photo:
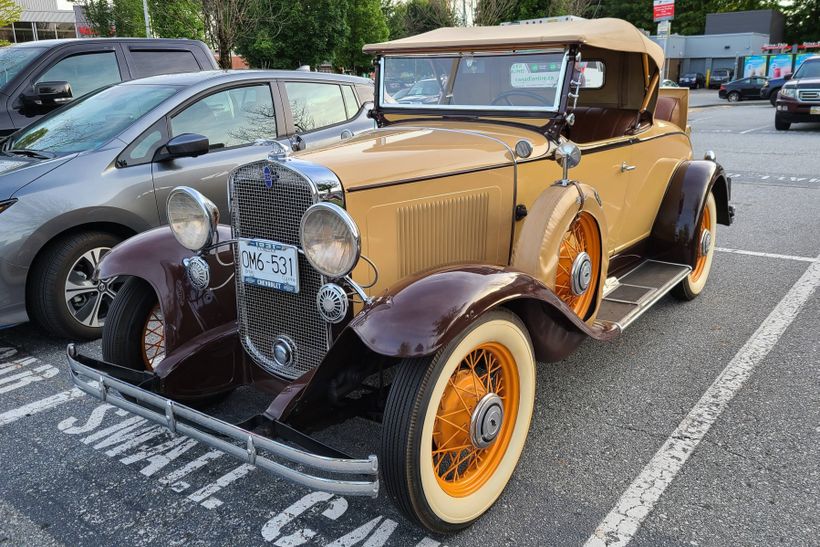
[{"x": 416, "y": 274}]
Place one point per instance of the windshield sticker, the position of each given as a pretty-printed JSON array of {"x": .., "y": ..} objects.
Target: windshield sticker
[{"x": 534, "y": 74}]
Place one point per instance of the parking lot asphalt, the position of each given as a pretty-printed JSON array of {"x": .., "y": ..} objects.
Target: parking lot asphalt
[{"x": 709, "y": 410}]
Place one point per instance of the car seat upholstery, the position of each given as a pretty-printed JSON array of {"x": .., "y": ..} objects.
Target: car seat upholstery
[
  {"x": 594, "y": 123},
  {"x": 667, "y": 108}
]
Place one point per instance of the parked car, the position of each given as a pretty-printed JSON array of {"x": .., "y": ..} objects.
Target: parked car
[
  {"x": 82, "y": 179},
  {"x": 37, "y": 77},
  {"x": 743, "y": 89},
  {"x": 423, "y": 91},
  {"x": 799, "y": 98},
  {"x": 771, "y": 88},
  {"x": 693, "y": 80},
  {"x": 416, "y": 273},
  {"x": 720, "y": 76}
]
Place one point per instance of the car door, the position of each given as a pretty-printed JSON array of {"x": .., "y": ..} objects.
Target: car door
[
  {"x": 239, "y": 121},
  {"x": 85, "y": 67},
  {"x": 322, "y": 113}
]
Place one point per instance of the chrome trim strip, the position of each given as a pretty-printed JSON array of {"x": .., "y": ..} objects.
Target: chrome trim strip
[{"x": 181, "y": 419}]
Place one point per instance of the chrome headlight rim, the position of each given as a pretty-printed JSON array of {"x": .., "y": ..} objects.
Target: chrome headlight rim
[
  {"x": 206, "y": 207},
  {"x": 351, "y": 226}
]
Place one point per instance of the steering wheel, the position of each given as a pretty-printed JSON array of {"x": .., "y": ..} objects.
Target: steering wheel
[{"x": 505, "y": 96}]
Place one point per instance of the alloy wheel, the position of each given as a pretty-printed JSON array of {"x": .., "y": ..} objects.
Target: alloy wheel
[{"x": 89, "y": 299}]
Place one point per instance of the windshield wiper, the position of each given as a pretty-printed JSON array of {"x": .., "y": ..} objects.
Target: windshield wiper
[{"x": 39, "y": 154}]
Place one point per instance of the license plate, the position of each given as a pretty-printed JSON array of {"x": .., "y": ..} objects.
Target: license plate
[
  {"x": 815, "y": 110},
  {"x": 269, "y": 264}
]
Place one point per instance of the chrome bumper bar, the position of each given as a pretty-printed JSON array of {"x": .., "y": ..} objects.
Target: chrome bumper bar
[{"x": 183, "y": 420}]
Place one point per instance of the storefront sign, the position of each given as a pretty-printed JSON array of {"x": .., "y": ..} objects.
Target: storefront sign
[{"x": 663, "y": 10}]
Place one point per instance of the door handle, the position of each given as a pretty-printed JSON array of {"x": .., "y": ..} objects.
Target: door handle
[{"x": 625, "y": 167}]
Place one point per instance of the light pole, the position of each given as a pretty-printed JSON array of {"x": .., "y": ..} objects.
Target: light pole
[{"x": 147, "y": 19}]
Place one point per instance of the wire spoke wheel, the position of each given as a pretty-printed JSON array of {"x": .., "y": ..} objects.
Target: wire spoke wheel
[
  {"x": 460, "y": 465},
  {"x": 579, "y": 265},
  {"x": 153, "y": 339},
  {"x": 703, "y": 250}
]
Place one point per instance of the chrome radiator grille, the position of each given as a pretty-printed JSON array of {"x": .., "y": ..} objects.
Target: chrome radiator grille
[
  {"x": 264, "y": 314},
  {"x": 808, "y": 94}
]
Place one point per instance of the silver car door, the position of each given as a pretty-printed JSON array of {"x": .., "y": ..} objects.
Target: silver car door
[{"x": 237, "y": 121}]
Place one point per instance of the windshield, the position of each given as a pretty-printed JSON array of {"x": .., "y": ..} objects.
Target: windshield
[
  {"x": 92, "y": 120},
  {"x": 504, "y": 82},
  {"x": 14, "y": 59},
  {"x": 809, "y": 69}
]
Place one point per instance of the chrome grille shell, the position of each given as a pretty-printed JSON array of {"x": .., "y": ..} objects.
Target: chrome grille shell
[
  {"x": 808, "y": 94},
  {"x": 274, "y": 213}
]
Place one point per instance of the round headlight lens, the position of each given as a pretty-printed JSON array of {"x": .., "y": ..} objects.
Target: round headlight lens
[
  {"x": 330, "y": 240},
  {"x": 192, "y": 217},
  {"x": 788, "y": 92}
]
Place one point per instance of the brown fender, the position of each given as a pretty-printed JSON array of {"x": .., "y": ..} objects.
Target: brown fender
[
  {"x": 421, "y": 314},
  {"x": 675, "y": 231},
  {"x": 200, "y": 325}
]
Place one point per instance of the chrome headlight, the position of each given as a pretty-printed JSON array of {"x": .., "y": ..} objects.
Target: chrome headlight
[
  {"x": 330, "y": 240},
  {"x": 788, "y": 92},
  {"x": 193, "y": 218}
]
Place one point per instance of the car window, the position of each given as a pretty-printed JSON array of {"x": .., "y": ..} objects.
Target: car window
[
  {"x": 149, "y": 62},
  {"x": 351, "y": 104},
  {"x": 91, "y": 121},
  {"x": 13, "y": 59},
  {"x": 314, "y": 105},
  {"x": 809, "y": 69},
  {"x": 230, "y": 118},
  {"x": 592, "y": 74},
  {"x": 142, "y": 150},
  {"x": 85, "y": 72}
]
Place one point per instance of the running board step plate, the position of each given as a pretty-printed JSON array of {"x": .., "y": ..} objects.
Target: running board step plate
[{"x": 632, "y": 294}]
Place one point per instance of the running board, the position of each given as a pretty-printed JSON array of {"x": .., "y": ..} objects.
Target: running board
[{"x": 629, "y": 296}]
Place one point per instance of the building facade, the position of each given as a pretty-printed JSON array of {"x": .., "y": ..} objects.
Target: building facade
[
  {"x": 705, "y": 53},
  {"x": 41, "y": 20}
]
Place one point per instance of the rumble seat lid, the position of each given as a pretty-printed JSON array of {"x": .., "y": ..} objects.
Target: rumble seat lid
[{"x": 607, "y": 33}]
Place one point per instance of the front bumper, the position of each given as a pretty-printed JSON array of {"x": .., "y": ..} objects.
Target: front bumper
[{"x": 98, "y": 380}]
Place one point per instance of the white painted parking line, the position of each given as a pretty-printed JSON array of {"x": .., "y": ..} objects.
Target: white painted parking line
[
  {"x": 765, "y": 255},
  {"x": 39, "y": 406},
  {"x": 623, "y": 521},
  {"x": 755, "y": 129}
]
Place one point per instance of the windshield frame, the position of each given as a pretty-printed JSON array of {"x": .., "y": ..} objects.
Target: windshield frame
[{"x": 527, "y": 111}]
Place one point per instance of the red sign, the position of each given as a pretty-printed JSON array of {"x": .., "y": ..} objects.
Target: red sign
[{"x": 663, "y": 10}]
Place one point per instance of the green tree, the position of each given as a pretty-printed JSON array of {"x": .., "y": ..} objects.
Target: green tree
[
  {"x": 177, "y": 19},
  {"x": 291, "y": 33},
  {"x": 802, "y": 22},
  {"x": 114, "y": 17},
  {"x": 417, "y": 16},
  {"x": 367, "y": 24},
  {"x": 9, "y": 13}
]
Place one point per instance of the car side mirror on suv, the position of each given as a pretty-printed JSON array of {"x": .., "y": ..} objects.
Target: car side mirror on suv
[
  {"x": 787, "y": 77},
  {"x": 186, "y": 145},
  {"x": 49, "y": 94}
]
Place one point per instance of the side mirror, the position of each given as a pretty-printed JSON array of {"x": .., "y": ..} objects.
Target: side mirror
[
  {"x": 186, "y": 145},
  {"x": 50, "y": 93},
  {"x": 568, "y": 155},
  {"x": 787, "y": 77}
]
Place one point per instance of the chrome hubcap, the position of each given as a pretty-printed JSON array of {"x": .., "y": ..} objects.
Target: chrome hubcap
[
  {"x": 581, "y": 274},
  {"x": 486, "y": 420},
  {"x": 87, "y": 299},
  {"x": 705, "y": 242}
]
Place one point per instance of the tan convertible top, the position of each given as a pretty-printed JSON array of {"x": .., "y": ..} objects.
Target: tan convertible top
[{"x": 613, "y": 34}]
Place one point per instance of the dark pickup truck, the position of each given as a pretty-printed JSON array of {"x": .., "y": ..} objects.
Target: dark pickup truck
[
  {"x": 799, "y": 98},
  {"x": 37, "y": 77}
]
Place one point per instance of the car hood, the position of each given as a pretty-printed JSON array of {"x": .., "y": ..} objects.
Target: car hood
[
  {"x": 18, "y": 171},
  {"x": 405, "y": 151},
  {"x": 807, "y": 82}
]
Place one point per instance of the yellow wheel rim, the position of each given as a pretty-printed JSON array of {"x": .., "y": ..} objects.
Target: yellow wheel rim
[
  {"x": 460, "y": 467},
  {"x": 700, "y": 263},
  {"x": 581, "y": 237},
  {"x": 153, "y": 339}
]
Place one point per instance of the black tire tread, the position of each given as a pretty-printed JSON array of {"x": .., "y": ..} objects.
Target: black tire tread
[
  {"x": 43, "y": 305},
  {"x": 122, "y": 331}
]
